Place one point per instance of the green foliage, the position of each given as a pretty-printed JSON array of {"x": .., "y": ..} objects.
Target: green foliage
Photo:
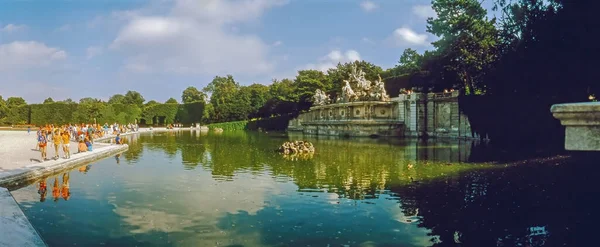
[
  {"x": 18, "y": 115},
  {"x": 133, "y": 98},
  {"x": 340, "y": 73},
  {"x": 15, "y": 102},
  {"x": 279, "y": 123},
  {"x": 468, "y": 40},
  {"x": 52, "y": 113},
  {"x": 3, "y": 109},
  {"x": 171, "y": 101},
  {"x": 166, "y": 111},
  {"x": 116, "y": 99},
  {"x": 48, "y": 100},
  {"x": 229, "y": 126},
  {"x": 191, "y": 95}
]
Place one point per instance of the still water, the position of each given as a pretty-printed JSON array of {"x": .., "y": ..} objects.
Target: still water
[{"x": 187, "y": 188}]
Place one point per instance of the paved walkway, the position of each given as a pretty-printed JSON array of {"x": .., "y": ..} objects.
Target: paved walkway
[{"x": 20, "y": 162}]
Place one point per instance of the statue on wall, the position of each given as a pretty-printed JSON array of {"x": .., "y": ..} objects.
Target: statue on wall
[
  {"x": 365, "y": 90},
  {"x": 379, "y": 93},
  {"x": 348, "y": 94},
  {"x": 320, "y": 98}
]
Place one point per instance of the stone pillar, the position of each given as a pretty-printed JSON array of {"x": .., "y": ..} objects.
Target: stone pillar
[
  {"x": 582, "y": 125},
  {"x": 431, "y": 115}
]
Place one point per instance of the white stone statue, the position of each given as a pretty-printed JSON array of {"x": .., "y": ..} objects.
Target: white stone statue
[
  {"x": 348, "y": 94},
  {"x": 320, "y": 98},
  {"x": 378, "y": 92}
]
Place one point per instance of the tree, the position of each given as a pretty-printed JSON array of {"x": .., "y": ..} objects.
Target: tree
[
  {"x": 48, "y": 101},
  {"x": 307, "y": 82},
  {"x": 67, "y": 101},
  {"x": 12, "y": 102},
  {"x": 191, "y": 95},
  {"x": 171, "y": 101},
  {"x": 223, "y": 91},
  {"x": 468, "y": 40},
  {"x": 151, "y": 103},
  {"x": 88, "y": 100},
  {"x": 133, "y": 98},
  {"x": 3, "y": 109},
  {"x": 116, "y": 99},
  {"x": 410, "y": 62}
]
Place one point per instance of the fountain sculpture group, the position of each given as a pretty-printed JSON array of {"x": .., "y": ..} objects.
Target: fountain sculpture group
[
  {"x": 365, "y": 90},
  {"x": 362, "y": 108}
]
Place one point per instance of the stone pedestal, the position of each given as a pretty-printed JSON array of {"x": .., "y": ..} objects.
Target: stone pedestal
[{"x": 582, "y": 122}]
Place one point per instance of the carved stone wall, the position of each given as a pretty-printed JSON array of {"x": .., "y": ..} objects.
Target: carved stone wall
[{"x": 412, "y": 115}]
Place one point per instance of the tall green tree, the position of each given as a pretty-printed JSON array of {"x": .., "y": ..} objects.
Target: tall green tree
[
  {"x": 15, "y": 102},
  {"x": 3, "y": 109},
  {"x": 468, "y": 40},
  {"x": 133, "y": 98},
  {"x": 117, "y": 99},
  {"x": 48, "y": 100},
  {"x": 222, "y": 92},
  {"x": 191, "y": 95},
  {"x": 171, "y": 101}
]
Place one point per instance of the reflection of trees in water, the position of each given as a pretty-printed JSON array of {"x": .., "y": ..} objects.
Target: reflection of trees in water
[
  {"x": 529, "y": 205},
  {"x": 352, "y": 169},
  {"x": 135, "y": 148}
]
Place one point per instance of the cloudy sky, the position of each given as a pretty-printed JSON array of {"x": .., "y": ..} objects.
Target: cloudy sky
[{"x": 74, "y": 49}]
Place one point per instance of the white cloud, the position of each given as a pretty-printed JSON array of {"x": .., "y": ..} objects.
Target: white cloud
[
  {"x": 368, "y": 6},
  {"x": 404, "y": 35},
  {"x": 28, "y": 54},
  {"x": 277, "y": 43},
  {"x": 424, "y": 11},
  {"x": 333, "y": 58},
  {"x": 9, "y": 28},
  {"x": 194, "y": 38},
  {"x": 93, "y": 51}
]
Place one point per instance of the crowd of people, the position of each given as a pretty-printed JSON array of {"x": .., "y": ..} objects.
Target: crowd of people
[{"x": 83, "y": 134}]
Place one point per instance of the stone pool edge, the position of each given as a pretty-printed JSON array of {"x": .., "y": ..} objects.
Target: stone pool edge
[
  {"x": 35, "y": 171},
  {"x": 16, "y": 228}
]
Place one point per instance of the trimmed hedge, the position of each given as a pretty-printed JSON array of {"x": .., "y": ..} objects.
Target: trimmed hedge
[
  {"x": 53, "y": 113},
  {"x": 237, "y": 125},
  {"x": 279, "y": 123}
]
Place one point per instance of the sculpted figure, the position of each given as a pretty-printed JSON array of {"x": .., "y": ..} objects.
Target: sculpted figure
[
  {"x": 320, "y": 98},
  {"x": 347, "y": 92},
  {"x": 379, "y": 92}
]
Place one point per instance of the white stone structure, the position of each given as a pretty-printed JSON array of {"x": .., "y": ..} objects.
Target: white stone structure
[{"x": 582, "y": 125}]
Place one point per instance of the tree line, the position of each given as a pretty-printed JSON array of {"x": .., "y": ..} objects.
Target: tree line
[{"x": 510, "y": 70}]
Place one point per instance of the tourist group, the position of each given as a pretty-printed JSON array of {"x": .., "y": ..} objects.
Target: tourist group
[{"x": 84, "y": 135}]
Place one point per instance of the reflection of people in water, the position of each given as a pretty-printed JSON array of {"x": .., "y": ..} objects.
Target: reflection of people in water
[
  {"x": 85, "y": 169},
  {"x": 42, "y": 190},
  {"x": 55, "y": 190},
  {"x": 117, "y": 158},
  {"x": 65, "y": 193}
]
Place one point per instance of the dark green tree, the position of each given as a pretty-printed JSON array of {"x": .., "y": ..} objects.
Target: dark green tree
[
  {"x": 117, "y": 99},
  {"x": 468, "y": 41},
  {"x": 191, "y": 95},
  {"x": 171, "y": 101},
  {"x": 13, "y": 102},
  {"x": 48, "y": 100},
  {"x": 133, "y": 98}
]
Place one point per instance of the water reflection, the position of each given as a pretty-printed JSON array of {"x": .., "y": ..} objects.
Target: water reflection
[{"x": 194, "y": 189}]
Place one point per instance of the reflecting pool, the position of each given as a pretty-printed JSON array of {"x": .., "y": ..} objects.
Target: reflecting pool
[{"x": 186, "y": 188}]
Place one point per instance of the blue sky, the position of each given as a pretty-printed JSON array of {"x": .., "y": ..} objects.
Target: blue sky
[{"x": 97, "y": 48}]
